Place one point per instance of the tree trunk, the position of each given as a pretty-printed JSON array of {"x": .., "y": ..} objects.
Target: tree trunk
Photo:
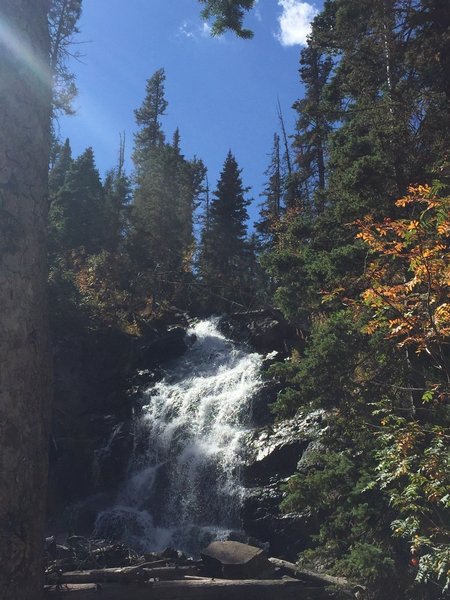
[{"x": 25, "y": 97}]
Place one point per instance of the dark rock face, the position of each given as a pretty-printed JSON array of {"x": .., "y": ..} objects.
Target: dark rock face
[
  {"x": 91, "y": 431},
  {"x": 275, "y": 450},
  {"x": 263, "y": 330},
  {"x": 162, "y": 346},
  {"x": 261, "y": 414},
  {"x": 273, "y": 455}
]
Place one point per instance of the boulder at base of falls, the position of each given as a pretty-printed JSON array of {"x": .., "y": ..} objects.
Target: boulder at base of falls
[{"x": 234, "y": 560}]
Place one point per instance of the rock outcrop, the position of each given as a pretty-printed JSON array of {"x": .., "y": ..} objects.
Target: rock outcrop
[
  {"x": 97, "y": 377},
  {"x": 264, "y": 330},
  {"x": 273, "y": 455}
]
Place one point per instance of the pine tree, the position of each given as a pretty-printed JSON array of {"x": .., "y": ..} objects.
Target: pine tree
[
  {"x": 61, "y": 162},
  {"x": 117, "y": 194},
  {"x": 62, "y": 22},
  {"x": 389, "y": 122},
  {"x": 150, "y": 134},
  {"x": 165, "y": 198},
  {"x": 228, "y": 14},
  {"x": 274, "y": 191},
  {"x": 313, "y": 127},
  {"x": 78, "y": 215},
  {"x": 223, "y": 245}
]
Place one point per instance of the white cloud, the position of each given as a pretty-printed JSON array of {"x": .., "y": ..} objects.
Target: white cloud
[
  {"x": 258, "y": 14},
  {"x": 186, "y": 30},
  {"x": 194, "y": 32},
  {"x": 295, "y": 22}
]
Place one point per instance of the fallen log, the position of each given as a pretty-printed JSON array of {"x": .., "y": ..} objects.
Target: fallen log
[
  {"x": 88, "y": 590},
  {"x": 125, "y": 574},
  {"x": 311, "y": 576},
  {"x": 111, "y": 575},
  {"x": 212, "y": 589},
  {"x": 169, "y": 573}
]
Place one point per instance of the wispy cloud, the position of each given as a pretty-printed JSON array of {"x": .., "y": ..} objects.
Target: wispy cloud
[
  {"x": 295, "y": 22},
  {"x": 186, "y": 30},
  {"x": 195, "y": 32},
  {"x": 257, "y": 9}
]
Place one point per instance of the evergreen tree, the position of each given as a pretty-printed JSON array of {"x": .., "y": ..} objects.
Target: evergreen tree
[
  {"x": 274, "y": 191},
  {"x": 313, "y": 127},
  {"x": 62, "y": 24},
  {"x": 117, "y": 193},
  {"x": 62, "y": 162},
  {"x": 223, "y": 245},
  {"x": 389, "y": 122},
  {"x": 78, "y": 215},
  {"x": 61, "y": 158},
  {"x": 150, "y": 134},
  {"x": 228, "y": 14},
  {"x": 165, "y": 198}
]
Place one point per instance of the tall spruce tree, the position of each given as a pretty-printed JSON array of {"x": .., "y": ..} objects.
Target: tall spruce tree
[
  {"x": 313, "y": 128},
  {"x": 62, "y": 23},
  {"x": 273, "y": 194},
  {"x": 117, "y": 195},
  {"x": 78, "y": 216},
  {"x": 148, "y": 118},
  {"x": 223, "y": 245},
  {"x": 165, "y": 197}
]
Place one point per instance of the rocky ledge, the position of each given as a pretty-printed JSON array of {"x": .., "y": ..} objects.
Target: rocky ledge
[{"x": 273, "y": 454}]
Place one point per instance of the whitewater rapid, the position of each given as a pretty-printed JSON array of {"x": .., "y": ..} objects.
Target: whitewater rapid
[{"x": 183, "y": 488}]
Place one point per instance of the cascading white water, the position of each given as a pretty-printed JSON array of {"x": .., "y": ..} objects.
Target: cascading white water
[{"x": 183, "y": 489}]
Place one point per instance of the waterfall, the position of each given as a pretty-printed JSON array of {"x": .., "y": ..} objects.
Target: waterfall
[{"x": 183, "y": 488}]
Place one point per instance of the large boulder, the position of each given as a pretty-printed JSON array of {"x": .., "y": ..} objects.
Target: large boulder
[
  {"x": 234, "y": 560},
  {"x": 274, "y": 451},
  {"x": 286, "y": 534},
  {"x": 264, "y": 330}
]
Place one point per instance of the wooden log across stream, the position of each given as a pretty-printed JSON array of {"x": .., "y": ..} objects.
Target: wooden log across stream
[
  {"x": 311, "y": 576},
  {"x": 127, "y": 574},
  {"x": 193, "y": 589}
]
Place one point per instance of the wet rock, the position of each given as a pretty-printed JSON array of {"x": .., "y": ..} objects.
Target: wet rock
[
  {"x": 261, "y": 414},
  {"x": 169, "y": 553},
  {"x": 144, "y": 378},
  {"x": 162, "y": 346},
  {"x": 63, "y": 552},
  {"x": 235, "y": 560},
  {"x": 264, "y": 330},
  {"x": 286, "y": 535},
  {"x": 274, "y": 451}
]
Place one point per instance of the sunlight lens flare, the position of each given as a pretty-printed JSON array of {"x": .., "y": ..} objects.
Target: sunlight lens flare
[{"x": 16, "y": 43}]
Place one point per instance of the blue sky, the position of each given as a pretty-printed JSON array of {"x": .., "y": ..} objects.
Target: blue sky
[{"x": 222, "y": 92}]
